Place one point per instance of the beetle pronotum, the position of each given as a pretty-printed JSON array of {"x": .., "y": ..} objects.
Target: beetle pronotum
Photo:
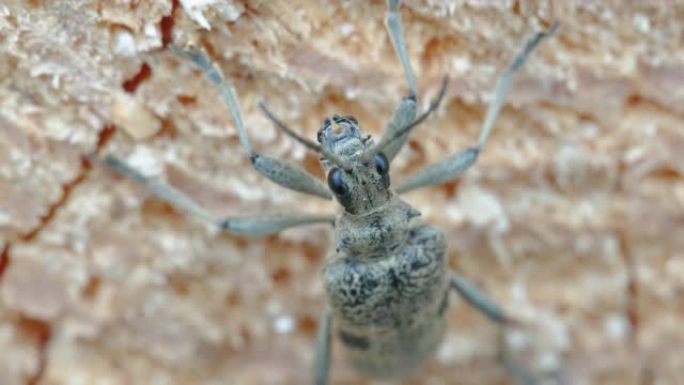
[{"x": 386, "y": 276}]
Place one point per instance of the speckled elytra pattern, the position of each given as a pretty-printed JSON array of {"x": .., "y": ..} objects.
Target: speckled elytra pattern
[{"x": 389, "y": 309}]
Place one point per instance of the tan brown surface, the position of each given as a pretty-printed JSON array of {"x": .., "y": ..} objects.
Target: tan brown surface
[{"x": 573, "y": 218}]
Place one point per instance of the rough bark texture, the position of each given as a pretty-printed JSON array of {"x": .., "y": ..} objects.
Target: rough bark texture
[{"x": 573, "y": 218}]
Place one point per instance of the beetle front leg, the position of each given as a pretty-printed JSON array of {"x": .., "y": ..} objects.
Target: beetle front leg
[
  {"x": 455, "y": 165},
  {"x": 406, "y": 112},
  {"x": 393, "y": 24},
  {"x": 403, "y": 116},
  {"x": 280, "y": 172}
]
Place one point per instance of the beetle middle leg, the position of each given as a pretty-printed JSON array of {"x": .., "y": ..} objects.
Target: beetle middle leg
[{"x": 253, "y": 225}]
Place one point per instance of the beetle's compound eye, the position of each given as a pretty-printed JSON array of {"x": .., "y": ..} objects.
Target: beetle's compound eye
[
  {"x": 381, "y": 164},
  {"x": 337, "y": 183}
]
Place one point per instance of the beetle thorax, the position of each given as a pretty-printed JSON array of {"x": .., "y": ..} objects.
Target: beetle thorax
[{"x": 372, "y": 235}]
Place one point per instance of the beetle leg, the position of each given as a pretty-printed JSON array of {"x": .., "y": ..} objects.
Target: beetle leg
[
  {"x": 255, "y": 225},
  {"x": 516, "y": 371},
  {"x": 406, "y": 112},
  {"x": 403, "y": 116},
  {"x": 280, "y": 172},
  {"x": 492, "y": 311},
  {"x": 321, "y": 367},
  {"x": 455, "y": 165},
  {"x": 478, "y": 299},
  {"x": 393, "y": 24}
]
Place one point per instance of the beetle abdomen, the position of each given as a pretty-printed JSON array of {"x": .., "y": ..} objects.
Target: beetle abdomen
[{"x": 389, "y": 311}]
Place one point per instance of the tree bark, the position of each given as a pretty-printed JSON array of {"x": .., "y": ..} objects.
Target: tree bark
[{"x": 572, "y": 219}]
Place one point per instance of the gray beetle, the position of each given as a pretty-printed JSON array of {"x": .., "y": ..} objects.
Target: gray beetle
[{"x": 386, "y": 276}]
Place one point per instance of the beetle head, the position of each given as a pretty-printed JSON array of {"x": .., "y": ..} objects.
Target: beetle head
[{"x": 360, "y": 186}]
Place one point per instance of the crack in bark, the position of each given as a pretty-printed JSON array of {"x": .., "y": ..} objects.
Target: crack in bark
[
  {"x": 4, "y": 260},
  {"x": 103, "y": 138},
  {"x": 132, "y": 84},
  {"x": 38, "y": 329},
  {"x": 167, "y": 23},
  {"x": 646, "y": 372},
  {"x": 41, "y": 331},
  {"x": 632, "y": 288}
]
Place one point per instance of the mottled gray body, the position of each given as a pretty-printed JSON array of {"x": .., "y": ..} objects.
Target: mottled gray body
[
  {"x": 386, "y": 277},
  {"x": 389, "y": 310}
]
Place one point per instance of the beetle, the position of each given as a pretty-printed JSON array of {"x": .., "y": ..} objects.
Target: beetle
[{"x": 386, "y": 275}]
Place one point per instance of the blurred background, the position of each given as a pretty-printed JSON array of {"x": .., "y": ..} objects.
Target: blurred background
[{"x": 573, "y": 218}]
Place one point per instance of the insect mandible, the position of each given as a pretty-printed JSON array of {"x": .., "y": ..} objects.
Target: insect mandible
[{"x": 386, "y": 276}]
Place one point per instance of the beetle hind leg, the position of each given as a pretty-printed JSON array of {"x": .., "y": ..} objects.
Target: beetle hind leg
[
  {"x": 490, "y": 309},
  {"x": 321, "y": 365},
  {"x": 515, "y": 370}
]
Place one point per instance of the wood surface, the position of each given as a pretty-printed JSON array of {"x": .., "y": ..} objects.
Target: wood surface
[{"x": 573, "y": 218}]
